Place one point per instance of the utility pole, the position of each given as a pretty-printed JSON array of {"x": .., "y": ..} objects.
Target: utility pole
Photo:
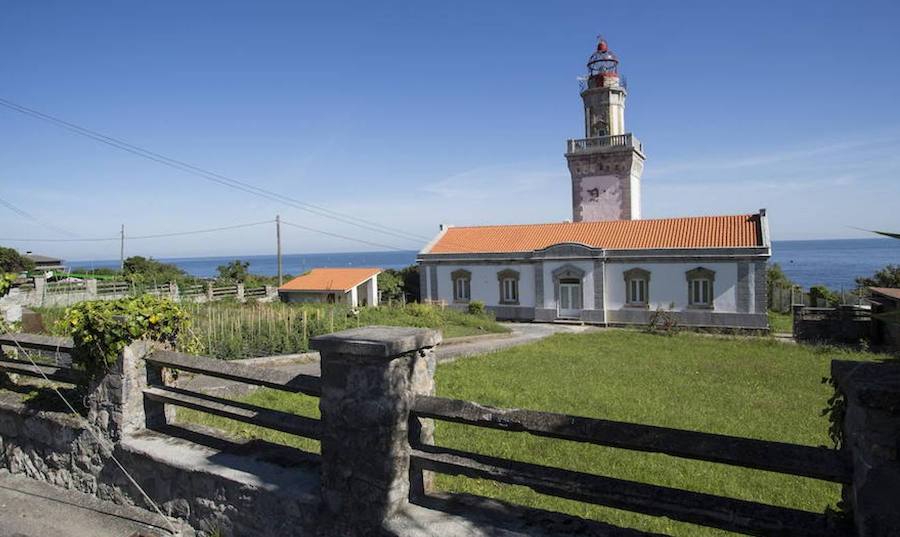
[
  {"x": 278, "y": 240},
  {"x": 122, "y": 248}
]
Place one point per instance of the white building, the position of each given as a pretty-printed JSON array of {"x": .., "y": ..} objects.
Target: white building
[
  {"x": 352, "y": 286},
  {"x": 607, "y": 266}
]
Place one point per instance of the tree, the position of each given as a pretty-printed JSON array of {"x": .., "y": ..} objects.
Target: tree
[
  {"x": 776, "y": 277},
  {"x": 148, "y": 270},
  {"x": 234, "y": 272},
  {"x": 390, "y": 285},
  {"x": 13, "y": 261},
  {"x": 410, "y": 277},
  {"x": 889, "y": 276}
]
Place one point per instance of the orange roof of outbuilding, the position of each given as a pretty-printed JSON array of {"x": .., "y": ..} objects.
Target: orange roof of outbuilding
[
  {"x": 738, "y": 231},
  {"x": 330, "y": 279}
]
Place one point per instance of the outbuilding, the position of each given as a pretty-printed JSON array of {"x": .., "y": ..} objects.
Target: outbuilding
[{"x": 352, "y": 286}]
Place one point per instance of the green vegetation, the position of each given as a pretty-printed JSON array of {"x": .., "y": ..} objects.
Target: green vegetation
[
  {"x": 889, "y": 276},
  {"x": 748, "y": 387},
  {"x": 101, "y": 329},
  {"x": 232, "y": 330},
  {"x": 237, "y": 271},
  {"x": 400, "y": 284},
  {"x": 781, "y": 322},
  {"x": 12, "y": 261}
]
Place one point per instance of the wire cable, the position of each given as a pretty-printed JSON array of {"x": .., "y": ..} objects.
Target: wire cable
[
  {"x": 153, "y": 236},
  {"x": 330, "y": 234},
  {"x": 29, "y": 216},
  {"x": 96, "y": 436},
  {"x": 211, "y": 176}
]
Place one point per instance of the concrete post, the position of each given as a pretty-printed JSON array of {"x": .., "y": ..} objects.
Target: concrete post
[
  {"x": 871, "y": 431},
  {"x": 173, "y": 291},
  {"x": 240, "y": 291},
  {"x": 369, "y": 379},
  {"x": 90, "y": 287},
  {"x": 40, "y": 289},
  {"x": 116, "y": 405},
  {"x": 209, "y": 291}
]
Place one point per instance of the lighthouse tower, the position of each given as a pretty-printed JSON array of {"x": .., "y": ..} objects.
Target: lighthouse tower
[{"x": 606, "y": 164}]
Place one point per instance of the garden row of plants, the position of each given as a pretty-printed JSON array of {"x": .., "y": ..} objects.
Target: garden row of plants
[{"x": 230, "y": 330}]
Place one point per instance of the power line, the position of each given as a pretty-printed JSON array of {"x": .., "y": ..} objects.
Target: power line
[
  {"x": 154, "y": 236},
  {"x": 26, "y": 214},
  {"x": 211, "y": 176},
  {"x": 330, "y": 234}
]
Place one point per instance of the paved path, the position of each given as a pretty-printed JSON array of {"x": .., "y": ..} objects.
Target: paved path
[
  {"x": 30, "y": 508},
  {"x": 521, "y": 333}
]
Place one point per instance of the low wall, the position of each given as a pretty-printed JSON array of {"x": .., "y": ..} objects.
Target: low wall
[
  {"x": 212, "y": 488},
  {"x": 843, "y": 324}
]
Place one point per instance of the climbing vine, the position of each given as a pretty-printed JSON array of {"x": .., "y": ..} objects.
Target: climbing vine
[
  {"x": 835, "y": 410},
  {"x": 101, "y": 329}
]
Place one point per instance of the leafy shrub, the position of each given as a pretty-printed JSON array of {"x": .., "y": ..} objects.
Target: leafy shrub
[
  {"x": 101, "y": 329},
  {"x": 663, "y": 322},
  {"x": 820, "y": 292},
  {"x": 13, "y": 261},
  {"x": 476, "y": 307}
]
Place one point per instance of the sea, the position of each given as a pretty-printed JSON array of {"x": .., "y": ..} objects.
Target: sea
[{"x": 833, "y": 263}]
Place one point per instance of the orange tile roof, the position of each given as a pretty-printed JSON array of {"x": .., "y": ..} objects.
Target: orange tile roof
[
  {"x": 693, "y": 232},
  {"x": 330, "y": 279},
  {"x": 890, "y": 292}
]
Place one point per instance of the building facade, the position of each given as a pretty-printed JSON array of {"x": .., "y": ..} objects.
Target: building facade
[
  {"x": 355, "y": 287},
  {"x": 607, "y": 266},
  {"x": 705, "y": 271}
]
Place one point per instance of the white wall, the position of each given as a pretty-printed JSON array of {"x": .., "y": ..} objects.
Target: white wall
[
  {"x": 668, "y": 284},
  {"x": 485, "y": 286},
  {"x": 587, "y": 283}
]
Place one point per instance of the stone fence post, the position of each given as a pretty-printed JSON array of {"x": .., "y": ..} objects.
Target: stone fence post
[
  {"x": 240, "y": 291},
  {"x": 370, "y": 377},
  {"x": 173, "y": 291},
  {"x": 872, "y": 437},
  {"x": 116, "y": 405},
  {"x": 209, "y": 291}
]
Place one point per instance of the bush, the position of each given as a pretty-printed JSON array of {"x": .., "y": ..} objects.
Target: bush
[
  {"x": 13, "y": 261},
  {"x": 663, "y": 322},
  {"x": 101, "y": 329},
  {"x": 889, "y": 276},
  {"x": 820, "y": 292},
  {"x": 476, "y": 307}
]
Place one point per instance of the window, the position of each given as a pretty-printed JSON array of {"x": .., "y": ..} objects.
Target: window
[
  {"x": 510, "y": 290},
  {"x": 700, "y": 287},
  {"x": 509, "y": 286},
  {"x": 462, "y": 285},
  {"x": 637, "y": 287}
]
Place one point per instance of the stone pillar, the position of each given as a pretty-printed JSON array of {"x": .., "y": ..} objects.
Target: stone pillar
[
  {"x": 209, "y": 291},
  {"x": 871, "y": 432},
  {"x": 240, "y": 291},
  {"x": 116, "y": 405},
  {"x": 90, "y": 287},
  {"x": 369, "y": 379},
  {"x": 173, "y": 291}
]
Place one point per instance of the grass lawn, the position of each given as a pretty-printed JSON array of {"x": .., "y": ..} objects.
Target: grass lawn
[
  {"x": 750, "y": 387},
  {"x": 781, "y": 322}
]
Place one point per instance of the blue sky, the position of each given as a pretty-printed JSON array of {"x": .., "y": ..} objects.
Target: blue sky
[{"x": 412, "y": 114}]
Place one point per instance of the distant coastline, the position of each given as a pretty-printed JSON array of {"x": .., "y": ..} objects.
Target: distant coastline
[{"x": 835, "y": 263}]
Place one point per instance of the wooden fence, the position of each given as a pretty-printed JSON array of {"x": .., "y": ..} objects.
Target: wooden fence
[{"x": 729, "y": 514}]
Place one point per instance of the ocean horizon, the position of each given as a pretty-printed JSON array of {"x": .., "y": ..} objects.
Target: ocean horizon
[{"x": 835, "y": 263}]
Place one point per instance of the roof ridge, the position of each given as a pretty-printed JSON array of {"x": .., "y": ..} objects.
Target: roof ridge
[{"x": 621, "y": 222}]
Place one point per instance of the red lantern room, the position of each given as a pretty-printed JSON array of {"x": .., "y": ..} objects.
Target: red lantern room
[{"x": 603, "y": 66}]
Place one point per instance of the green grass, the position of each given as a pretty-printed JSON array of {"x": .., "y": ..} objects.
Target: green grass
[
  {"x": 748, "y": 387},
  {"x": 781, "y": 322}
]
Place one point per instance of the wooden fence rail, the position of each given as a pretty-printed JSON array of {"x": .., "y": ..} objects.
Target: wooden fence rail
[
  {"x": 741, "y": 516},
  {"x": 43, "y": 345},
  {"x": 235, "y": 410}
]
